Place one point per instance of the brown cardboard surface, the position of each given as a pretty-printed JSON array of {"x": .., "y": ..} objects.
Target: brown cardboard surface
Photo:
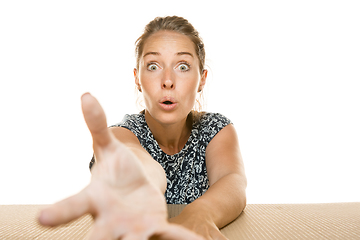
[{"x": 258, "y": 221}]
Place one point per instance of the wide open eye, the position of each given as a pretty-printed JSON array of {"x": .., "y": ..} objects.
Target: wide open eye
[
  {"x": 184, "y": 67},
  {"x": 152, "y": 67}
]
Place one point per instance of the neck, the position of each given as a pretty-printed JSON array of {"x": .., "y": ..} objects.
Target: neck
[{"x": 170, "y": 137}]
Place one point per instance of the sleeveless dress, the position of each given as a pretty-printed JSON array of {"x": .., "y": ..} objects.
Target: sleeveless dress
[{"x": 186, "y": 170}]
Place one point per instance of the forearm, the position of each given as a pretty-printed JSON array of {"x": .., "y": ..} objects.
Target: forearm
[{"x": 223, "y": 201}]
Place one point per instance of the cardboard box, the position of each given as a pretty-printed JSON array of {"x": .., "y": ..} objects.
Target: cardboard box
[{"x": 258, "y": 221}]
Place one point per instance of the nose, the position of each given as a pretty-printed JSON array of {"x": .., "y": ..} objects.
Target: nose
[
  {"x": 168, "y": 80},
  {"x": 168, "y": 84}
]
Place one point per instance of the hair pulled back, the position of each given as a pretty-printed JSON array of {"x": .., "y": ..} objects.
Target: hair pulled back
[{"x": 176, "y": 24}]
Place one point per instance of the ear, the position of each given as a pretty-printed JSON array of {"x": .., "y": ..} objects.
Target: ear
[
  {"x": 203, "y": 80},
  {"x": 137, "y": 81}
]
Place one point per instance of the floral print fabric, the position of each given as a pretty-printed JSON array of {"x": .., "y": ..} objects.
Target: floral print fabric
[{"x": 186, "y": 170}]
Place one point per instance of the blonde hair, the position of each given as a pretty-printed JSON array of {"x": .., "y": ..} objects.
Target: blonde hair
[
  {"x": 176, "y": 24},
  {"x": 179, "y": 25}
]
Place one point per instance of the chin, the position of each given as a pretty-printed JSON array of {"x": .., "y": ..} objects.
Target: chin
[{"x": 168, "y": 118}]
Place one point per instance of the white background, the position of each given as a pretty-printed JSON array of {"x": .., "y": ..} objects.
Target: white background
[{"x": 286, "y": 73}]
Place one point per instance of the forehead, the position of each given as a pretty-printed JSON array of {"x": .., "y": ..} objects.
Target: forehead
[{"x": 169, "y": 42}]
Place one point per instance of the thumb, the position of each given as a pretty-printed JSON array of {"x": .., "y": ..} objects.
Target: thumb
[
  {"x": 95, "y": 119},
  {"x": 66, "y": 210}
]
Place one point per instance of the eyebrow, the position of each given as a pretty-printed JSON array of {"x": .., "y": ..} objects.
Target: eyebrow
[
  {"x": 184, "y": 53},
  {"x": 157, "y": 53},
  {"x": 151, "y": 53}
]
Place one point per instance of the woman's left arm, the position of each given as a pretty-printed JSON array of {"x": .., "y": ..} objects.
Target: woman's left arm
[{"x": 226, "y": 198}]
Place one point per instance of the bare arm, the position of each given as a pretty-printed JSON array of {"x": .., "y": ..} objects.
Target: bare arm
[
  {"x": 226, "y": 198},
  {"x": 124, "y": 200}
]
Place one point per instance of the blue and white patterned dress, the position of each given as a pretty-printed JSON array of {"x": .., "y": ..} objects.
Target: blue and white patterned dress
[{"x": 186, "y": 170}]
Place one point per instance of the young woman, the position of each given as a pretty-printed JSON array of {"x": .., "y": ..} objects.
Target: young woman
[{"x": 191, "y": 157}]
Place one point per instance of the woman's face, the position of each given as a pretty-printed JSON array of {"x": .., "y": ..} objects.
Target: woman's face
[{"x": 169, "y": 76}]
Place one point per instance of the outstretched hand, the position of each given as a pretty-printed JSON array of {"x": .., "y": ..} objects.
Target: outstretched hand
[{"x": 125, "y": 204}]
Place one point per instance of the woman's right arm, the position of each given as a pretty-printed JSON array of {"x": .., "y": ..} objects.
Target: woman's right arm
[{"x": 125, "y": 194}]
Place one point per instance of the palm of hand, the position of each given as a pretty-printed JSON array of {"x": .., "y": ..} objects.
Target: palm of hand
[{"x": 120, "y": 197}]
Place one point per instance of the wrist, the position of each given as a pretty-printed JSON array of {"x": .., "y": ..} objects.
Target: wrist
[
  {"x": 196, "y": 217},
  {"x": 199, "y": 210}
]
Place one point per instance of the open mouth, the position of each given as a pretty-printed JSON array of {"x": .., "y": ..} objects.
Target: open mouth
[{"x": 168, "y": 102}]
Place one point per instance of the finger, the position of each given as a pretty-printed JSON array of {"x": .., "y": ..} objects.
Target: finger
[
  {"x": 66, "y": 210},
  {"x": 176, "y": 232},
  {"x": 95, "y": 119}
]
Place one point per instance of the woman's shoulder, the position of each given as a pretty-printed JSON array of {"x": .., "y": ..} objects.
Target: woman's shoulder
[
  {"x": 131, "y": 120},
  {"x": 209, "y": 124},
  {"x": 135, "y": 123},
  {"x": 210, "y": 118}
]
